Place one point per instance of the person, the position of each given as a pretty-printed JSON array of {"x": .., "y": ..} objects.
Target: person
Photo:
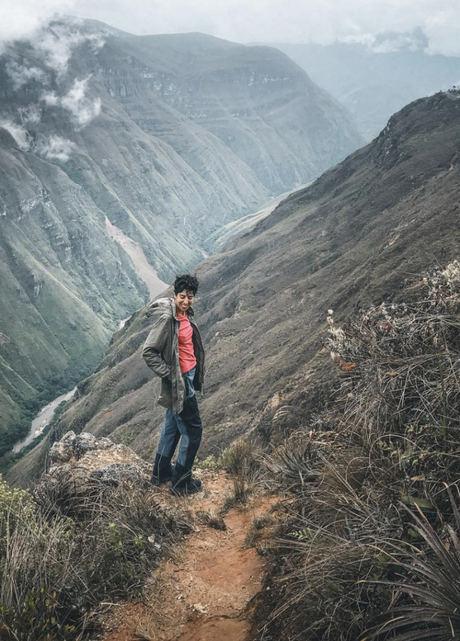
[{"x": 174, "y": 351}]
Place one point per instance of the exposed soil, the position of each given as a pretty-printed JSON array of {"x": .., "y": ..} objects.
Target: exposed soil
[
  {"x": 144, "y": 270},
  {"x": 203, "y": 594}
]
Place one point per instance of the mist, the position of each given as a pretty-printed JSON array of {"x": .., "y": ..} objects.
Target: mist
[{"x": 272, "y": 21}]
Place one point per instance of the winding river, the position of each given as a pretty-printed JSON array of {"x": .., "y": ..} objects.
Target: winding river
[{"x": 42, "y": 420}]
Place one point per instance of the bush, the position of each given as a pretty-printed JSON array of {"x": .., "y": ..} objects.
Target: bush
[
  {"x": 67, "y": 547},
  {"x": 386, "y": 449}
]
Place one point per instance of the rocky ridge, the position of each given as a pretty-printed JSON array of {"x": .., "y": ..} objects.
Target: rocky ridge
[{"x": 376, "y": 79}]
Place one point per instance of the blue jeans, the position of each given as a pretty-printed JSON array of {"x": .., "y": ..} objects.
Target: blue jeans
[{"x": 186, "y": 426}]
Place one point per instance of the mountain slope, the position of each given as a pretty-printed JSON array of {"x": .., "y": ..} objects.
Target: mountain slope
[
  {"x": 262, "y": 107},
  {"x": 375, "y": 221},
  {"x": 90, "y": 139},
  {"x": 374, "y": 81}
]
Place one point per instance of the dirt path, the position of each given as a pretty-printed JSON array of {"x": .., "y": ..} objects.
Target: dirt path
[{"x": 203, "y": 594}]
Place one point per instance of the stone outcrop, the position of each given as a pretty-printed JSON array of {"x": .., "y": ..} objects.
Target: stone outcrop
[{"x": 85, "y": 457}]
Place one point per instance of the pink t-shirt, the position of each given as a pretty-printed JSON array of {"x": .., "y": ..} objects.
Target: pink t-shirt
[{"x": 187, "y": 360}]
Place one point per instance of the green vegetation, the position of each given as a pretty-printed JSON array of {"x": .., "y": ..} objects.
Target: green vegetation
[
  {"x": 9, "y": 459},
  {"x": 369, "y": 546},
  {"x": 70, "y": 545},
  {"x": 46, "y": 392}
]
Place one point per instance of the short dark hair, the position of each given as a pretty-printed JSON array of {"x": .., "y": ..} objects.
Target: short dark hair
[{"x": 187, "y": 282}]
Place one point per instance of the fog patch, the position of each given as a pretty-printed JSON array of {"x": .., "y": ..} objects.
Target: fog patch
[
  {"x": 22, "y": 18},
  {"x": 30, "y": 115},
  {"x": 392, "y": 42},
  {"x": 50, "y": 99},
  {"x": 82, "y": 109},
  {"x": 55, "y": 148},
  {"x": 20, "y": 75},
  {"x": 20, "y": 135},
  {"x": 57, "y": 43}
]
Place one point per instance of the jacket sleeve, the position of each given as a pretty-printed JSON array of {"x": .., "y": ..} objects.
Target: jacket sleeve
[{"x": 152, "y": 351}]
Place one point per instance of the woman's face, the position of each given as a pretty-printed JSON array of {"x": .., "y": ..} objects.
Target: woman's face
[{"x": 183, "y": 300}]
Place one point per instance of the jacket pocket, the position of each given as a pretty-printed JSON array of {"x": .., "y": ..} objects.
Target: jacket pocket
[{"x": 165, "y": 397}]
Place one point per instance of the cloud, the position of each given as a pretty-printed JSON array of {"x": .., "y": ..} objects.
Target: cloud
[
  {"x": 21, "y": 18},
  {"x": 55, "y": 148},
  {"x": 20, "y": 134},
  {"x": 21, "y": 75},
  {"x": 391, "y": 42},
  {"x": 51, "y": 99},
  {"x": 31, "y": 114},
  {"x": 283, "y": 20},
  {"x": 57, "y": 42},
  {"x": 260, "y": 20},
  {"x": 81, "y": 108},
  {"x": 53, "y": 41}
]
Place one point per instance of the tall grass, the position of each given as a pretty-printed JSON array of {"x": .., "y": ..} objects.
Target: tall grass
[
  {"x": 67, "y": 547},
  {"x": 369, "y": 526}
]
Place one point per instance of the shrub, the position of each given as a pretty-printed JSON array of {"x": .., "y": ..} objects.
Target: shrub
[
  {"x": 69, "y": 546},
  {"x": 385, "y": 449}
]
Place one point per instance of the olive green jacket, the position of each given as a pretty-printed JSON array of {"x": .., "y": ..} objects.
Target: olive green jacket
[{"x": 161, "y": 353}]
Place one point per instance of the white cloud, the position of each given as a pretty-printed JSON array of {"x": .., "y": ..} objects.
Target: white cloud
[
  {"x": 50, "y": 99},
  {"x": 390, "y": 42},
  {"x": 30, "y": 114},
  {"x": 81, "y": 108},
  {"x": 55, "y": 148},
  {"x": 21, "y": 75},
  {"x": 57, "y": 43},
  {"x": 242, "y": 21},
  {"x": 283, "y": 20},
  {"x": 19, "y": 134},
  {"x": 20, "y": 18}
]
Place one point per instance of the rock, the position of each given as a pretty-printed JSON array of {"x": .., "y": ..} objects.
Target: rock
[
  {"x": 76, "y": 446},
  {"x": 62, "y": 451},
  {"x": 89, "y": 459},
  {"x": 118, "y": 473},
  {"x": 104, "y": 443}
]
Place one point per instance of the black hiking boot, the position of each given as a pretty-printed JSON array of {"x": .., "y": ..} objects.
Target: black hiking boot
[
  {"x": 182, "y": 481},
  {"x": 162, "y": 470}
]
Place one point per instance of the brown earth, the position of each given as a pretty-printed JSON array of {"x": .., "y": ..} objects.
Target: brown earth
[{"x": 203, "y": 594}]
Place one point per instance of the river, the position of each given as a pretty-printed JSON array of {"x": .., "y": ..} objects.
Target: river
[{"x": 42, "y": 420}]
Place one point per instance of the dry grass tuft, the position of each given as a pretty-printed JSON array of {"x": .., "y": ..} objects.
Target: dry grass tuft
[
  {"x": 367, "y": 481},
  {"x": 72, "y": 545}
]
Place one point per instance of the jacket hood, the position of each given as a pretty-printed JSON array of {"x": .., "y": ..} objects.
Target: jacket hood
[
  {"x": 160, "y": 306},
  {"x": 164, "y": 306}
]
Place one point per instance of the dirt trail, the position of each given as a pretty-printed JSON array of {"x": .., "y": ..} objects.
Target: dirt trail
[{"x": 202, "y": 595}]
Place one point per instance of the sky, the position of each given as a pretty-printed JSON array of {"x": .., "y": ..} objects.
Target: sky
[{"x": 271, "y": 21}]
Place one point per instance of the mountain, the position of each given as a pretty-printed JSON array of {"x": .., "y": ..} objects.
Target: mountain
[
  {"x": 120, "y": 155},
  {"x": 374, "y": 80},
  {"x": 368, "y": 226}
]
